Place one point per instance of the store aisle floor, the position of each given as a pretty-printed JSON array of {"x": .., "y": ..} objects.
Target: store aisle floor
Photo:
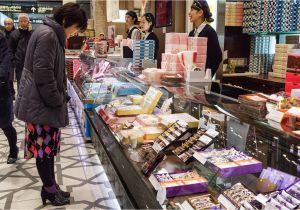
[{"x": 78, "y": 168}]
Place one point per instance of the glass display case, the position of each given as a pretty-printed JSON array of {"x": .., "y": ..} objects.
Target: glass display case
[{"x": 240, "y": 153}]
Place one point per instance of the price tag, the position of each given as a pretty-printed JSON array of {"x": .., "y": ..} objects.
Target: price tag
[
  {"x": 154, "y": 182},
  {"x": 212, "y": 132},
  {"x": 157, "y": 148},
  {"x": 205, "y": 139},
  {"x": 225, "y": 202},
  {"x": 200, "y": 158},
  {"x": 202, "y": 123},
  {"x": 165, "y": 108},
  {"x": 261, "y": 198},
  {"x": 161, "y": 195}
]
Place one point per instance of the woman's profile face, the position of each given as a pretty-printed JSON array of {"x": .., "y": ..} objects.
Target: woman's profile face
[
  {"x": 195, "y": 15},
  {"x": 145, "y": 25}
]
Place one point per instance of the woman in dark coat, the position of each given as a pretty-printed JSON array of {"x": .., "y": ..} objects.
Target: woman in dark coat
[
  {"x": 147, "y": 25},
  {"x": 200, "y": 15},
  {"x": 42, "y": 99},
  {"x": 6, "y": 101}
]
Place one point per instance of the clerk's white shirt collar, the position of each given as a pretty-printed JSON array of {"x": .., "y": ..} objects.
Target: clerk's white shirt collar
[
  {"x": 133, "y": 27},
  {"x": 199, "y": 29}
]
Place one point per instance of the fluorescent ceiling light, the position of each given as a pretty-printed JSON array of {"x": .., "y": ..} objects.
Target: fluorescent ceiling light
[{"x": 122, "y": 14}]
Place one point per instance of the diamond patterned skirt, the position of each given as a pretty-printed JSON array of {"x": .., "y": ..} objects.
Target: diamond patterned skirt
[{"x": 41, "y": 141}]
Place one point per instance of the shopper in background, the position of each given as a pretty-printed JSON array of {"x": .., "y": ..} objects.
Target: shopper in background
[
  {"x": 6, "y": 101},
  {"x": 200, "y": 15},
  {"x": 42, "y": 99},
  {"x": 147, "y": 24},
  {"x": 18, "y": 44},
  {"x": 9, "y": 28},
  {"x": 131, "y": 20}
]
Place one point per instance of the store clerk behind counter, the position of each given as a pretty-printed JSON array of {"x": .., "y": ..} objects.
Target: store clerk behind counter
[{"x": 200, "y": 15}]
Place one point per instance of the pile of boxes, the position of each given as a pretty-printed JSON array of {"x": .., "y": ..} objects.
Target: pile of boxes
[
  {"x": 271, "y": 16},
  {"x": 234, "y": 14},
  {"x": 262, "y": 53},
  {"x": 280, "y": 60},
  {"x": 143, "y": 50},
  {"x": 177, "y": 42}
]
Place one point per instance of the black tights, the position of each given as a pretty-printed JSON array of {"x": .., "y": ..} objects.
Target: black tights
[
  {"x": 45, "y": 169},
  {"x": 11, "y": 135}
]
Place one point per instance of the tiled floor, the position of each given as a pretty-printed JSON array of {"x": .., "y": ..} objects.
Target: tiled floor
[{"x": 78, "y": 171}]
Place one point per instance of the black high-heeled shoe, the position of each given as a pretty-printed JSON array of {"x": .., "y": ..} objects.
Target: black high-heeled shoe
[
  {"x": 56, "y": 199},
  {"x": 63, "y": 193}
]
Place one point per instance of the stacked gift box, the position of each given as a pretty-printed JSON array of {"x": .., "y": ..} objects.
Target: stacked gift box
[
  {"x": 234, "y": 14},
  {"x": 280, "y": 60},
  {"x": 262, "y": 53},
  {"x": 177, "y": 42},
  {"x": 143, "y": 50},
  {"x": 72, "y": 65},
  {"x": 253, "y": 105},
  {"x": 228, "y": 162},
  {"x": 251, "y": 16},
  {"x": 198, "y": 44},
  {"x": 271, "y": 16}
]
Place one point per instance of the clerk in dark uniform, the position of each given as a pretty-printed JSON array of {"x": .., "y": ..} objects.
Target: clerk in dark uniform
[
  {"x": 147, "y": 24},
  {"x": 131, "y": 20},
  {"x": 200, "y": 15}
]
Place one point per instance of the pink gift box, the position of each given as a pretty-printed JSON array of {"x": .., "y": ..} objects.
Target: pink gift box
[
  {"x": 172, "y": 66},
  {"x": 201, "y": 59},
  {"x": 201, "y": 50},
  {"x": 197, "y": 41},
  {"x": 170, "y": 57},
  {"x": 174, "y": 48},
  {"x": 172, "y": 38}
]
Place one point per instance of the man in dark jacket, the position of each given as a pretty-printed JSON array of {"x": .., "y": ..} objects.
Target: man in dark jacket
[
  {"x": 18, "y": 44},
  {"x": 6, "y": 102},
  {"x": 9, "y": 28}
]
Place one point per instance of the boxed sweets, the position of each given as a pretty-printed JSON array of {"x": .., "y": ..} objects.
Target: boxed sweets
[
  {"x": 288, "y": 103},
  {"x": 179, "y": 183},
  {"x": 150, "y": 101},
  {"x": 271, "y": 180},
  {"x": 173, "y": 133},
  {"x": 285, "y": 199},
  {"x": 196, "y": 143},
  {"x": 152, "y": 159},
  {"x": 169, "y": 119},
  {"x": 202, "y": 202},
  {"x": 236, "y": 196},
  {"x": 124, "y": 89},
  {"x": 229, "y": 162},
  {"x": 176, "y": 42}
]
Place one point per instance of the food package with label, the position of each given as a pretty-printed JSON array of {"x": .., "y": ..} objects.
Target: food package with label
[
  {"x": 124, "y": 89},
  {"x": 172, "y": 66},
  {"x": 169, "y": 119},
  {"x": 179, "y": 183},
  {"x": 150, "y": 101},
  {"x": 229, "y": 162},
  {"x": 136, "y": 99}
]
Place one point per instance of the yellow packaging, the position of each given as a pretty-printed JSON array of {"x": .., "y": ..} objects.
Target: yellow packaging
[
  {"x": 150, "y": 101},
  {"x": 136, "y": 99},
  {"x": 152, "y": 132}
]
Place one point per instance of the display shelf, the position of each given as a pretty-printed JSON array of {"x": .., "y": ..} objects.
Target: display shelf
[
  {"x": 274, "y": 33},
  {"x": 270, "y": 144}
]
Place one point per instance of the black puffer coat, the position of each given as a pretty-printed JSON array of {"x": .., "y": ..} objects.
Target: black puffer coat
[
  {"x": 42, "y": 95},
  {"x": 6, "y": 101}
]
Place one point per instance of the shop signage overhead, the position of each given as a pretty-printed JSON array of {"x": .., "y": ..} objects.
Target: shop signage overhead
[{"x": 26, "y": 9}]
